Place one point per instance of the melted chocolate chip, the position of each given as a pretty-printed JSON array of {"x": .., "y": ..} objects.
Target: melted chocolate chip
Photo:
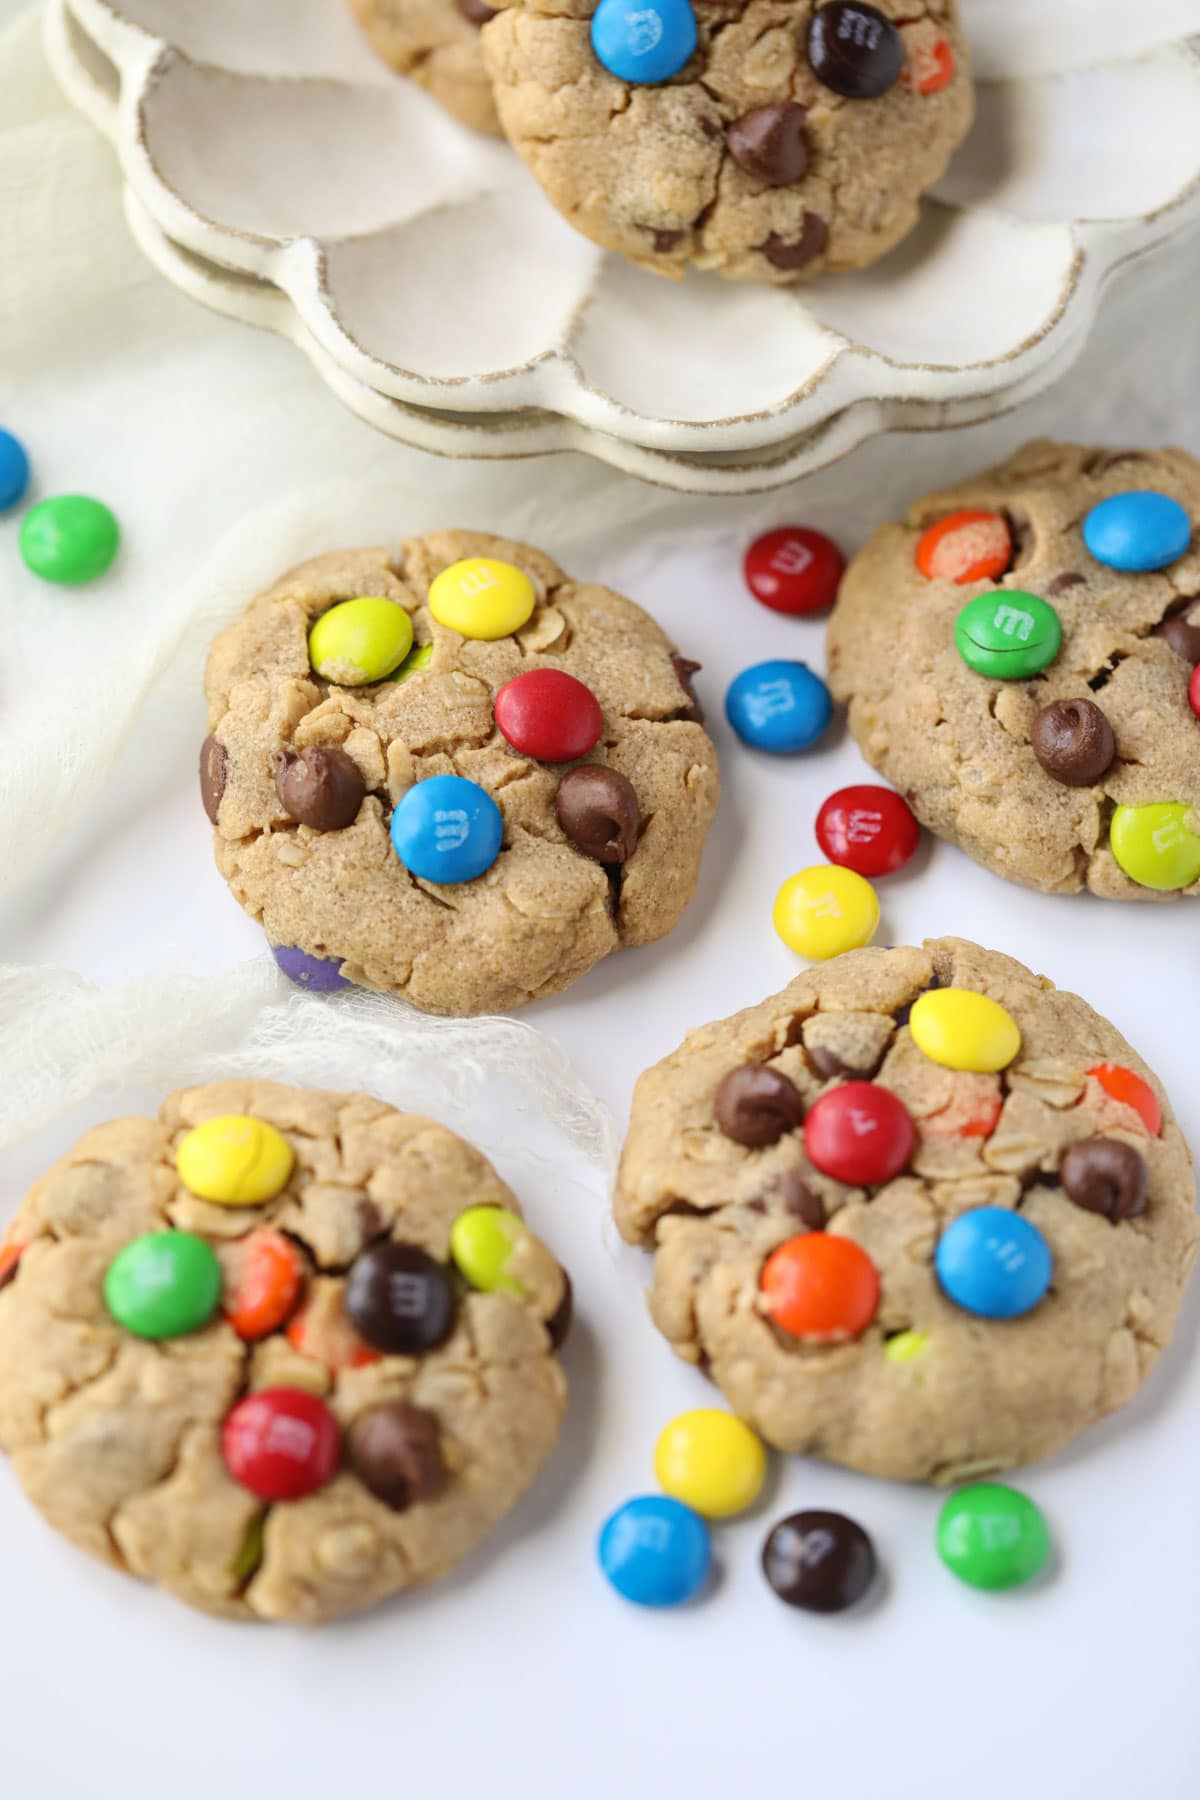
[
  {"x": 800, "y": 1200},
  {"x": 598, "y": 810},
  {"x": 685, "y": 668},
  {"x": 666, "y": 241},
  {"x": 395, "y": 1452},
  {"x": 559, "y": 1322},
  {"x": 855, "y": 50},
  {"x": 399, "y": 1300},
  {"x": 755, "y": 1105},
  {"x": 321, "y": 788},
  {"x": 820, "y": 1561},
  {"x": 769, "y": 143},
  {"x": 784, "y": 255},
  {"x": 1074, "y": 742},
  {"x": 1104, "y": 1175},
  {"x": 1068, "y": 579},
  {"x": 1183, "y": 637},
  {"x": 214, "y": 769},
  {"x": 476, "y": 11},
  {"x": 1103, "y": 460}
]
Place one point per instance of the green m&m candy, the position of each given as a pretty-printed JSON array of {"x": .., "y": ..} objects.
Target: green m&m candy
[
  {"x": 360, "y": 641},
  {"x": 419, "y": 657},
  {"x": 163, "y": 1285},
  {"x": 1156, "y": 846},
  {"x": 992, "y": 1537},
  {"x": 1008, "y": 634},
  {"x": 69, "y": 539}
]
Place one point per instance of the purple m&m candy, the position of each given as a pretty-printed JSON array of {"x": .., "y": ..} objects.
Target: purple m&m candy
[{"x": 319, "y": 974}]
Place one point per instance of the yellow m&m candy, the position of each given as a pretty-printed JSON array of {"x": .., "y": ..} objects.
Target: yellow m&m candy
[
  {"x": 964, "y": 1030},
  {"x": 482, "y": 598},
  {"x": 710, "y": 1461},
  {"x": 235, "y": 1160},
  {"x": 824, "y": 910},
  {"x": 1156, "y": 846}
]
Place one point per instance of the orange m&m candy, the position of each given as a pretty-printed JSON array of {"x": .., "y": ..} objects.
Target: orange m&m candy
[
  {"x": 263, "y": 1279},
  {"x": 820, "y": 1287},
  {"x": 932, "y": 67},
  {"x": 965, "y": 547},
  {"x": 1120, "y": 1083}
]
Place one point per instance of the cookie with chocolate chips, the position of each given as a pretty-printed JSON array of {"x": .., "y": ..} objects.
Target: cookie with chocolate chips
[
  {"x": 436, "y": 44},
  {"x": 293, "y": 1400},
  {"x": 818, "y": 1306},
  {"x": 304, "y": 776},
  {"x": 794, "y": 139},
  {"x": 1028, "y": 698}
]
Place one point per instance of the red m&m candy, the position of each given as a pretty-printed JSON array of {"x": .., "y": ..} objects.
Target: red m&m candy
[
  {"x": 281, "y": 1443},
  {"x": 1194, "y": 690},
  {"x": 546, "y": 713},
  {"x": 859, "y": 1133},
  {"x": 867, "y": 829},
  {"x": 794, "y": 570},
  {"x": 820, "y": 1287}
]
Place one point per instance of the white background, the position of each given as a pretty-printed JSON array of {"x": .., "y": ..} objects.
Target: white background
[{"x": 523, "y": 1675}]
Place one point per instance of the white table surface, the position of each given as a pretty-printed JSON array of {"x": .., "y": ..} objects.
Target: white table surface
[{"x": 522, "y": 1675}]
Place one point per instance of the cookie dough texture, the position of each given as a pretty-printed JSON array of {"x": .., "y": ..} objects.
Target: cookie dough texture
[
  {"x": 436, "y": 44},
  {"x": 544, "y": 913},
  {"x": 956, "y": 743},
  {"x": 978, "y": 1395},
  {"x": 117, "y": 1440},
  {"x": 646, "y": 170}
]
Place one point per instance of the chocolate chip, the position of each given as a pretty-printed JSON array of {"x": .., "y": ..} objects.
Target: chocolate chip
[
  {"x": 827, "y": 1065},
  {"x": 820, "y": 1561},
  {"x": 1068, "y": 579},
  {"x": 399, "y": 1300},
  {"x": 800, "y": 1201},
  {"x": 395, "y": 1452},
  {"x": 855, "y": 50},
  {"x": 709, "y": 126},
  {"x": 1104, "y": 1175},
  {"x": 1103, "y": 460},
  {"x": 784, "y": 255},
  {"x": 559, "y": 1322},
  {"x": 685, "y": 668},
  {"x": 598, "y": 810},
  {"x": 214, "y": 768},
  {"x": 769, "y": 143},
  {"x": 666, "y": 241},
  {"x": 1074, "y": 742},
  {"x": 319, "y": 787},
  {"x": 1183, "y": 637},
  {"x": 476, "y": 11},
  {"x": 755, "y": 1105}
]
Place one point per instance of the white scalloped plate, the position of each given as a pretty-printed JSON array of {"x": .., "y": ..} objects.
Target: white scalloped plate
[{"x": 276, "y": 170}]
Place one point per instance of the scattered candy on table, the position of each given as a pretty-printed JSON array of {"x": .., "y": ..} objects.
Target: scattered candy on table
[
  {"x": 320, "y": 974},
  {"x": 1123, "y": 1085},
  {"x": 859, "y": 1133},
  {"x": 1008, "y": 634},
  {"x": 868, "y": 829},
  {"x": 965, "y": 547},
  {"x": 794, "y": 570},
  {"x": 820, "y": 1288},
  {"x": 281, "y": 1443},
  {"x": 822, "y": 1562},
  {"x": 961, "y": 1029},
  {"x": 163, "y": 1285},
  {"x": 655, "y": 1551},
  {"x": 992, "y": 1537},
  {"x": 647, "y": 42},
  {"x": 710, "y": 1461},
  {"x": 993, "y": 1262},
  {"x": 399, "y": 1299},
  {"x": 69, "y": 539},
  {"x": 1156, "y": 846},
  {"x": 235, "y": 1161},
  {"x": 264, "y": 1279},
  {"x": 482, "y": 598},
  {"x": 548, "y": 714},
  {"x": 824, "y": 910},
  {"x": 447, "y": 829},
  {"x": 779, "y": 706},
  {"x": 1138, "y": 531},
  {"x": 360, "y": 641},
  {"x": 14, "y": 471}
]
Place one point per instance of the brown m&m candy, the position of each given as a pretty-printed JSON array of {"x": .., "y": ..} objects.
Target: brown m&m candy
[
  {"x": 320, "y": 787},
  {"x": 769, "y": 143},
  {"x": 1074, "y": 742},
  {"x": 399, "y": 1300},
  {"x": 598, "y": 811},
  {"x": 755, "y": 1105},
  {"x": 855, "y": 50},
  {"x": 1183, "y": 637},
  {"x": 820, "y": 1561},
  {"x": 395, "y": 1452},
  {"x": 1105, "y": 1175},
  {"x": 214, "y": 767}
]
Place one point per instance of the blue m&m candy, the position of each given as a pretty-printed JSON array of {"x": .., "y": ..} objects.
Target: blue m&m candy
[
  {"x": 645, "y": 43},
  {"x": 447, "y": 829},
  {"x": 655, "y": 1551},
  {"x": 779, "y": 706},
  {"x": 994, "y": 1263},
  {"x": 1137, "y": 531},
  {"x": 14, "y": 470}
]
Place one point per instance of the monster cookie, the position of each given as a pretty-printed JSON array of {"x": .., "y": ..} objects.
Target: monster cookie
[
  {"x": 1017, "y": 656},
  {"x": 769, "y": 140},
  {"x": 455, "y": 774},
  {"x": 436, "y": 43},
  {"x": 920, "y": 1213},
  {"x": 284, "y": 1353}
]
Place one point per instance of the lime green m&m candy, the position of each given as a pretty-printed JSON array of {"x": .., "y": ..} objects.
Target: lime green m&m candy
[
  {"x": 992, "y": 1537},
  {"x": 1008, "y": 634},
  {"x": 235, "y": 1161},
  {"x": 69, "y": 539},
  {"x": 360, "y": 641},
  {"x": 1156, "y": 846},
  {"x": 163, "y": 1285},
  {"x": 496, "y": 1253},
  {"x": 419, "y": 657}
]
